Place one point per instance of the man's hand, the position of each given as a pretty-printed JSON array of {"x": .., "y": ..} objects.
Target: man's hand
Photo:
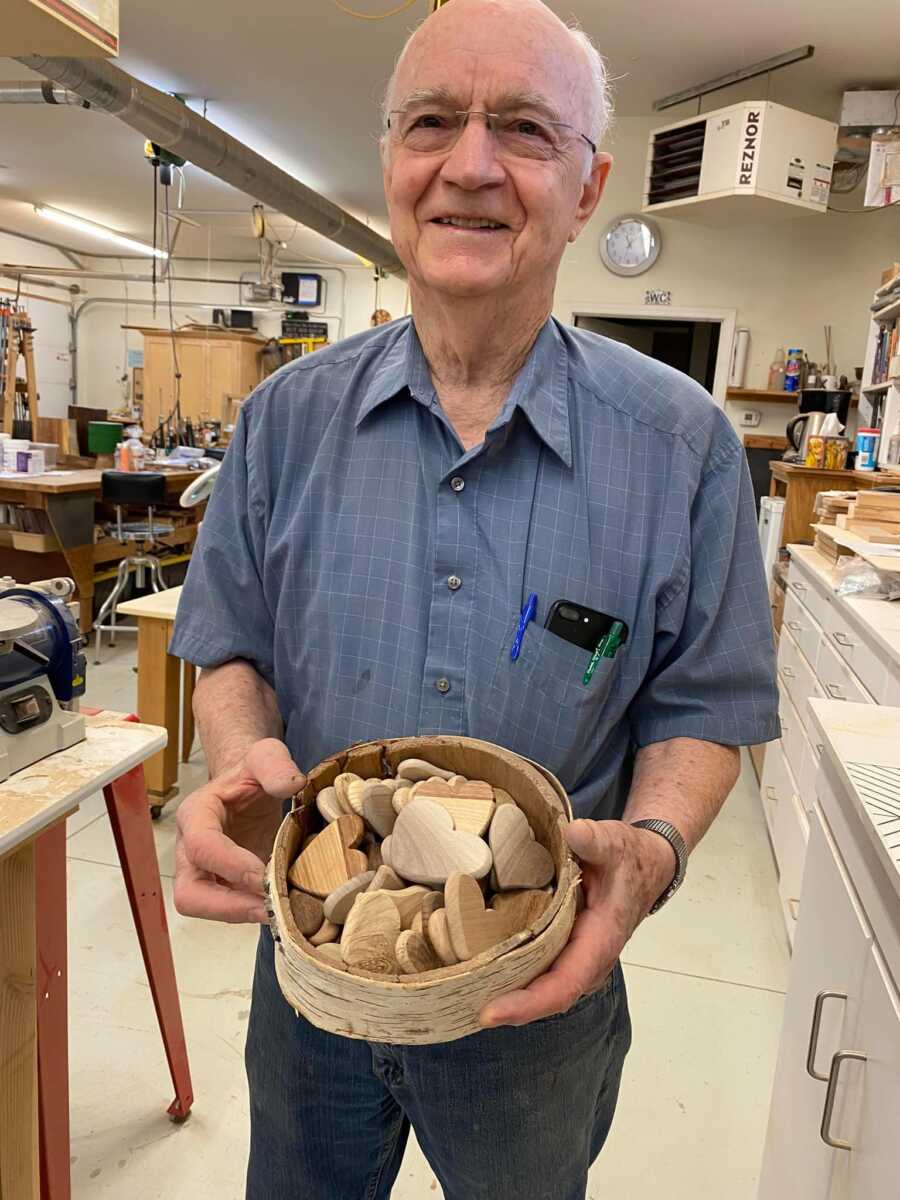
[
  {"x": 225, "y": 832},
  {"x": 625, "y": 871}
]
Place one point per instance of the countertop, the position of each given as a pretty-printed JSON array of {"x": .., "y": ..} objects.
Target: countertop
[
  {"x": 162, "y": 605},
  {"x": 62, "y": 481},
  {"x": 862, "y": 741}
]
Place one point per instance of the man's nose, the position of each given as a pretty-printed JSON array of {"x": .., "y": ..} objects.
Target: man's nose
[{"x": 473, "y": 162}]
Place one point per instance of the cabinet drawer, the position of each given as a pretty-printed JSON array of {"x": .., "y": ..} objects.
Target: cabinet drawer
[
  {"x": 860, "y": 653},
  {"x": 812, "y": 593},
  {"x": 803, "y": 627},
  {"x": 777, "y": 784},
  {"x": 793, "y": 735},
  {"x": 837, "y": 679},
  {"x": 806, "y": 780},
  {"x": 790, "y": 836},
  {"x": 795, "y": 672}
]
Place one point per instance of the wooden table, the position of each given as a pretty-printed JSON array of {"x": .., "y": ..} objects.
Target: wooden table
[
  {"x": 69, "y": 549},
  {"x": 32, "y": 802},
  {"x": 165, "y": 688},
  {"x": 799, "y": 487}
]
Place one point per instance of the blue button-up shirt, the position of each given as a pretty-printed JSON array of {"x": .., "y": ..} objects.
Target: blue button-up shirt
[{"x": 373, "y": 571}]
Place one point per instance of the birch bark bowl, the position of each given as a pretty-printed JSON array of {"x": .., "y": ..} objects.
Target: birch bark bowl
[{"x": 440, "y": 1005}]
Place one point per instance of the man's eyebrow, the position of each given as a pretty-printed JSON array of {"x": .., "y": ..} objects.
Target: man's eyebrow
[{"x": 503, "y": 103}]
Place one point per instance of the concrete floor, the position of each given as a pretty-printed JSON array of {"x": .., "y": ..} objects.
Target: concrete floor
[{"x": 706, "y": 981}]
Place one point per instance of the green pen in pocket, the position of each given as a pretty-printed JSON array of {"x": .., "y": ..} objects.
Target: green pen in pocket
[{"x": 606, "y": 648}]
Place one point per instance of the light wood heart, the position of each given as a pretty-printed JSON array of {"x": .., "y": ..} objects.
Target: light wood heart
[
  {"x": 519, "y": 861},
  {"x": 502, "y": 797},
  {"x": 328, "y": 804},
  {"x": 471, "y": 812},
  {"x": 370, "y": 934},
  {"x": 409, "y": 901},
  {"x": 330, "y": 952},
  {"x": 425, "y": 848},
  {"x": 330, "y": 860},
  {"x": 439, "y": 936},
  {"x": 328, "y": 933},
  {"x": 307, "y": 912},
  {"x": 472, "y": 927},
  {"x": 414, "y": 954},
  {"x": 401, "y": 798},
  {"x": 338, "y": 904},
  {"x": 416, "y": 768},
  {"x": 386, "y": 879},
  {"x": 378, "y": 809},
  {"x": 342, "y": 788},
  {"x": 522, "y": 909}
]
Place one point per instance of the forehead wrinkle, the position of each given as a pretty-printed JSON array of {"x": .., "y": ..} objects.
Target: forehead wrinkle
[{"x": 505, "y": 102}]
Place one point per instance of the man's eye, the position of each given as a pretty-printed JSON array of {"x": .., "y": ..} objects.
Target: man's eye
[
  {"x": 529, "y": 128},
  {"x": 428, "y": 121}
]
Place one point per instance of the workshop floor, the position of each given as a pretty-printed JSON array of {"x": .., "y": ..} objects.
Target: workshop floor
[{"x": 706, "y": 981}]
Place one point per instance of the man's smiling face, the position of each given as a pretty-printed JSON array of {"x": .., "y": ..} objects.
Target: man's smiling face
[{"x": 473, "y": 218}]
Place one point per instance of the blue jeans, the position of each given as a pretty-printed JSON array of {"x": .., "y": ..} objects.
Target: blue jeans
[{"x": 505, "y": 1114}]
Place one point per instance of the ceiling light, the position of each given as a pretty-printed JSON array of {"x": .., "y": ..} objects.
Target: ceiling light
[{"x": 95, "y": 230}]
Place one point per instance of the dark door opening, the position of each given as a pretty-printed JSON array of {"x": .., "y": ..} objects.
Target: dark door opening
[{"x": 688, "y": 346}]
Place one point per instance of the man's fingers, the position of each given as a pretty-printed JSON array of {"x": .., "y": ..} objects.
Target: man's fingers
[
  {"x": 270, "y": 763},
  {"x": 196, "y": 895},
  {"x": 593, "y": 842},
  {"x": 210, "y": 850}
]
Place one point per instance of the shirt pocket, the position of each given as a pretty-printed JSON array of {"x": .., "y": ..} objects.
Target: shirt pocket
[{"x": 539, "y": 706}]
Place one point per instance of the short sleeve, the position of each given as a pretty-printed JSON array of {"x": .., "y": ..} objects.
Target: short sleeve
[
  {"x": 223, "y": 613},
  {"x": 712, "y": 673}
]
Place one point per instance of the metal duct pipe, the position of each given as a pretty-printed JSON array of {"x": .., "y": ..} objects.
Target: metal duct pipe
[
  {"x": 175, "y": 127},
  {"x": 25, "y": 92}
]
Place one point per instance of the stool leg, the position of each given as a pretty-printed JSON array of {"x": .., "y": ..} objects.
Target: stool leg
[
  {"x": 157, "y": 581},
  {"x": 52, "y": 1013},
  {"x": 129, "y": 816},
  {"x": 108, "y": 604}
]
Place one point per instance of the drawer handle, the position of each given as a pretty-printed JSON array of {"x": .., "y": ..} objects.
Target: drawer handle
[
  {"x": 828, "y": 1111},
  {"x": 842, "y": 639},
  {"x": 770, "y": 792},
  {"x": 794, "y": 906},
  {"x": 814, "y": 1032},
  {"x": 787, "y": 672},
  {"x": 834, "y": 691},
  {"x": 820, "y": 748},
  {"x": 795, "y": 625},
  {"x": 799, "y": 587}
]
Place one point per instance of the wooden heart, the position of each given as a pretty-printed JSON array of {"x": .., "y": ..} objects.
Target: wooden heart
[
  {"x": 414, "y": 954},
  {"x": 521, "y": 909},
  {"x": 471, "y": 805},
  {"x": 425, "y": 847},
  {"x": 519, "y": 861},
  {"x": 416, "y": 768},
  {"x": 307, "y": 912},
  {"x": 342, "y": 788},
  {"x": 472, "y": 927},
  {"x": 329, "y": 860},
  {"x": 386, "y": 879},
  {"x": 438, "y": 935},
  {"x": 370, "y": 934},
  {"x": 401, "y": 798},
  {"x": 328, "y": 804},
  {"x": 378, "y": 809},
  {"x": 409, "y": 901},
  {"x": 329, "y": 932},
  {"x": 330, "y": 952},
  {"x": 502, "y": 797},
  {"x": 338, "y": 904}
]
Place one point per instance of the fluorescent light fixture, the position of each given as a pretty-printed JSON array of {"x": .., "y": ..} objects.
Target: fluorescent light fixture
[{"x": 97, "y": 231}]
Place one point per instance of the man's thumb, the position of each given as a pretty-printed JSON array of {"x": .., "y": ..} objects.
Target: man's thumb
[
  {"x": 589, "y": 841},
  {"x": 276, "y": 772}
]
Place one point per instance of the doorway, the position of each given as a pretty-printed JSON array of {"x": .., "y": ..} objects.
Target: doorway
[{"x": 688, "y": 346}]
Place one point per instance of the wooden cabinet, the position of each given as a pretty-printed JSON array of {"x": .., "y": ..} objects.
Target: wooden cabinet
[{"x": 213, "y": 365}]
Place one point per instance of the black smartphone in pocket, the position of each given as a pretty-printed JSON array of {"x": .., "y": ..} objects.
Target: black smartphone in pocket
[{"x": 580, "y": 625}]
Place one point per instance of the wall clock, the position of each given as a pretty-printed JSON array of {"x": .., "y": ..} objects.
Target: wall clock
[{"x": 630, "y": 245}]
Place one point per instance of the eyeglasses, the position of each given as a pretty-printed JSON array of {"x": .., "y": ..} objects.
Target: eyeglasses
[{"x": 435, "y": 130}]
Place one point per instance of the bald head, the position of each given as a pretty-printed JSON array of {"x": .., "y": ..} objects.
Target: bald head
[{"x": 471, "y": 29}]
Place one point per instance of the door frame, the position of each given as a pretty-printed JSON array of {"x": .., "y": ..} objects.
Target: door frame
[{"x": 726, "y": 318}]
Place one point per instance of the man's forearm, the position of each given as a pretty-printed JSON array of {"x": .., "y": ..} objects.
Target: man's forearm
[
  {"x": 683, "y": 781},
  {"x": 233, "y": 707}
]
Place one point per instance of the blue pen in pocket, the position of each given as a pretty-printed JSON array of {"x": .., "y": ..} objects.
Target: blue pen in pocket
[{"x": 527, "y": 614}]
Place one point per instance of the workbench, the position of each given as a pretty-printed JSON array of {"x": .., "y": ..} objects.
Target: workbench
[
  {"x": 165, "y": 689},
  {"x": 799, "y": 486},
  {"x": 33, "y": 804},
  {"x": 69, "y": 549}
]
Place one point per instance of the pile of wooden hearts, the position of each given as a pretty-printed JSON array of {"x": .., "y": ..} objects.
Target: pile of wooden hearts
[{"x": 421, "y": 871}]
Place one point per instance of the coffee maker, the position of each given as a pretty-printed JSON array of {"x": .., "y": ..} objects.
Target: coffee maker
[{"x": 814, "y": 406}]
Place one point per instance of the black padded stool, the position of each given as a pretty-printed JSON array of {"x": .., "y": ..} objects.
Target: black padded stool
[{"x": 136, "y": 489}]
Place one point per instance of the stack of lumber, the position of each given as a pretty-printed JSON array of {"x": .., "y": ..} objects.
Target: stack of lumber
[
  {"x": 830, "y": 505},
  {"x": 828, "y": 547},
  {"x": 874, "y": 517}
]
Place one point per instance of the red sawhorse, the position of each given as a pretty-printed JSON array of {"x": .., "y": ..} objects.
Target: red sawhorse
[{"x": 129, "y": 816}]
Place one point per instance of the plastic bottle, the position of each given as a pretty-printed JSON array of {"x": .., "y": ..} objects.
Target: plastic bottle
[
  {"x": 135, "y": 449},
  {"x": 776, "y": 371},
  {"x": 793, "y": 371}
]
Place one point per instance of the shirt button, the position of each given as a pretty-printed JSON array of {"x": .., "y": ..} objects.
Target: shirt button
[
  {"x": 443, "y": 686},
  {"x": 457, "y": 483},
  {"x": 454, "y": 583}
]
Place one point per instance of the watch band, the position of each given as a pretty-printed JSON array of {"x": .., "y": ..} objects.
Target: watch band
[{"x": 678, "y": 844}]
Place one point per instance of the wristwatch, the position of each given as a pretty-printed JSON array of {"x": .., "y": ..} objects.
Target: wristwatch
[{"x": 677, "y": 842}]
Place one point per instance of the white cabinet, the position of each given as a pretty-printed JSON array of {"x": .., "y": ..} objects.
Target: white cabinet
[{"x": 830, "y": 953}]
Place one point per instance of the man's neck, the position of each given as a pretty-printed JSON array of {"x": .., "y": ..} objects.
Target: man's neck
[{"x": 474, "y": 349}]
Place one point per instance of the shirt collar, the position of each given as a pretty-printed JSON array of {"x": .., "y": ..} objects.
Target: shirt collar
[{"x": 541, "y": 389}]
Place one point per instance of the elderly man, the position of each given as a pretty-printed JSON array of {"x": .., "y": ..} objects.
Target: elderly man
[{"x": 386, "y": 510}]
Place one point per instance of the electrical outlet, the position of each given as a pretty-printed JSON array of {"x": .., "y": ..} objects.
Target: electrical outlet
[{"x": 750, "y": 416}]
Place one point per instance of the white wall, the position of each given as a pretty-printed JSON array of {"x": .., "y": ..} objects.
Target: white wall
[
  {"x": 786, "y": 281},
  {"x": 50, "y": 318}
]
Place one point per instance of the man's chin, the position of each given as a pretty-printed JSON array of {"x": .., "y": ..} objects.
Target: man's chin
[{"x": 462, "y": 281}]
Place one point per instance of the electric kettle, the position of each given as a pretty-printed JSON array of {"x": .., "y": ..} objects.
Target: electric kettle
[{"x": 801, "y": 429}]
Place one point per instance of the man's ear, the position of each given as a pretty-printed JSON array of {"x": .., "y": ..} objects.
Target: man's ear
[{"x": 591, "y": 191}]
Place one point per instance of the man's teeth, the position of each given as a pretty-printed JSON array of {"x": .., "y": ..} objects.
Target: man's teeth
[{"x": 469, "y": 223}]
